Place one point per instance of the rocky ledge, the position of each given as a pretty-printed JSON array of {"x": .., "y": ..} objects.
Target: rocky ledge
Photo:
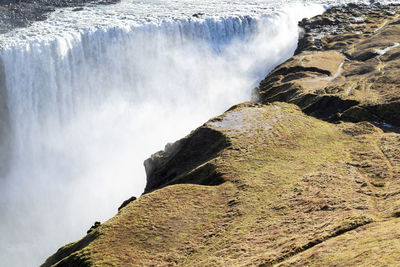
[{"x": 307, "y": 175}]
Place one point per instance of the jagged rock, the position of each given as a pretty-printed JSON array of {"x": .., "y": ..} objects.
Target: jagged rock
[
  {"x": 178, "y": 161},
  {"x": 94, "y": 226}
]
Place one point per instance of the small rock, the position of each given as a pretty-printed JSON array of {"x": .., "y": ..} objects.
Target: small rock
[
  {"x": 325, "y": 207},
  {"x": 126, "y": 202},
  {"x": 197, "y": 15}
]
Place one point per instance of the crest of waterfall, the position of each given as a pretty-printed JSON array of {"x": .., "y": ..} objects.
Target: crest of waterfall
[{"x": 82, "y": 110}]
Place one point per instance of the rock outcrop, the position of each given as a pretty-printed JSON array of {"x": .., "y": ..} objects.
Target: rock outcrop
[
  {"x": 308, "y": 176},
  {"x": 346, "y": 67}
]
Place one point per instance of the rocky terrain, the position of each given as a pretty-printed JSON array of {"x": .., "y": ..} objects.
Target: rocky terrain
[
  {"x": 306, "y": 175},
  {"x": 345, "y": 67},
  {"x": 21, "y": 13}
]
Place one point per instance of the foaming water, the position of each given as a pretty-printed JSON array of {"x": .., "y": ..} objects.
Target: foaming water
[{"x": 91, "y": 95}]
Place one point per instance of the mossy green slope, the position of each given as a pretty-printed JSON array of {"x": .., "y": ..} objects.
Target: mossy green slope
[
  {"x": 290, "y": 182},
  {"x": 377, "y": 244}
]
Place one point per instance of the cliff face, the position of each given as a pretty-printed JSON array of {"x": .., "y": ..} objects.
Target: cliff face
[{"x": 270, "y": 183}]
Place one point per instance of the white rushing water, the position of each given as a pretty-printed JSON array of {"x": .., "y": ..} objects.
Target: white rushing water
[{"x": 92, "y": 94}]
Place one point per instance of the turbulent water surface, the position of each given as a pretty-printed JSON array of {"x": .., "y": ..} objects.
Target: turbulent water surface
[{"x": 87, "y": 95}]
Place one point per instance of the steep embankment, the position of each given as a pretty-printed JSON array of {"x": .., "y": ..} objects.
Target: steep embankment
[{"x": 265, "y": 183}]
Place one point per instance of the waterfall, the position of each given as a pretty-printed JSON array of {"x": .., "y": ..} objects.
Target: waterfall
[{"x": 83, "y": 110}]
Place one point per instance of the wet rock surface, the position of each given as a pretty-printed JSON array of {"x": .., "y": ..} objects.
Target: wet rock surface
[{"x": 21, "y": 13}]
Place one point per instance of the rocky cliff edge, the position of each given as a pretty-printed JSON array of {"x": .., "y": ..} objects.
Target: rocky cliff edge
[{"x": 309, "y": 175}]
